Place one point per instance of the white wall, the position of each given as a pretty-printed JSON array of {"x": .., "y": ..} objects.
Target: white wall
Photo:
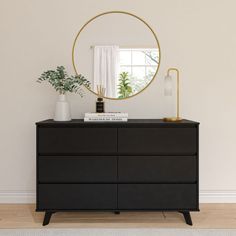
[{"x": 198, "y": 37}]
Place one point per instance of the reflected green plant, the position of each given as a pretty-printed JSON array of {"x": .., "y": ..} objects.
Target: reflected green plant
[{"x": 124, "y": 88}]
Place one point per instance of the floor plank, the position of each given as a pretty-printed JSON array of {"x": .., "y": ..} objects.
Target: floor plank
[{"x": 210, "y": 216}]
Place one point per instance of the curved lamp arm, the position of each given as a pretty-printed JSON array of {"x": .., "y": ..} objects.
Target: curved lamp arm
[{"x": 177, "y": 118}]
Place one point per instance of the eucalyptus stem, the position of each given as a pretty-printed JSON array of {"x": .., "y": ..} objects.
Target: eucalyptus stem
[{"x": 63, "y": 83}]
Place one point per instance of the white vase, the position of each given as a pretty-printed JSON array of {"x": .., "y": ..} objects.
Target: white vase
[{"x": 62, "y": 111}]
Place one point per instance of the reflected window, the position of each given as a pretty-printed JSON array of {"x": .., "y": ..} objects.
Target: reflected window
[{"x": 140, "y": 65}]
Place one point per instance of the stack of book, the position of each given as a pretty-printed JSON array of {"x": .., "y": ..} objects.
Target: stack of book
[{"x": 106, "y": 117}]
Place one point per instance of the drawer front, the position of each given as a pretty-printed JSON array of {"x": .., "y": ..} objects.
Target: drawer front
[
  {"x": 157, "y": 141},
  {"x": 157, "y": 196},
  {"x": 151, "y": 169},
  {"x": 77, "y": 196},
  {"x": 77, "y": 140},
  {"x": 76, "y": 169}
]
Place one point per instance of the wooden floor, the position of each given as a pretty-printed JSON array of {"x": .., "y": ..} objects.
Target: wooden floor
[{"x": 210, "y": 216}]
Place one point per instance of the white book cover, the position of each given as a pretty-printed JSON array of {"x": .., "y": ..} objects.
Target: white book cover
[
  {"x": 106, "y": 114},
  {"x": 109, "y": 119}
]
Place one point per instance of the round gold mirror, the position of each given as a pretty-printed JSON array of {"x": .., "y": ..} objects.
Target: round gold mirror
[{"x": 118, "y": 53}]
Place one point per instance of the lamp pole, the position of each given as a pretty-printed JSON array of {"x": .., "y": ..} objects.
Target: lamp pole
[{"x": 177, "y": 118}]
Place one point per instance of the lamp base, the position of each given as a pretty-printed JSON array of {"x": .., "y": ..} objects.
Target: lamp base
[{"x": 172, "y": 119}]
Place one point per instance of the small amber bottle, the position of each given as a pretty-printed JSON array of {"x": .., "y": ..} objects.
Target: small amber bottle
[{"x": 100, "y": 105}]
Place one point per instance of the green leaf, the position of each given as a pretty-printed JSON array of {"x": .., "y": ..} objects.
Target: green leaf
[{"x": 63, "y": 83}]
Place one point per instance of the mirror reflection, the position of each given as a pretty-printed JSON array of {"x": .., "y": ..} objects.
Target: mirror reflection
[{"x": 118, "y": 52}]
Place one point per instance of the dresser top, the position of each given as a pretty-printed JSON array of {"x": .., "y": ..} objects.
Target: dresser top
[{"x": 129, "y": 123}]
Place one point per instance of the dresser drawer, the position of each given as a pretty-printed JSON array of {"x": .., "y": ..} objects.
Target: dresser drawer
[
  {"x": 157, "y": 196},
  {"x": 157, "y": 141},
  {"x": 162, "y": 169},
  {"x": 77, "y": 140},
  {"x": 76, "y": 196},
  {"x": 76, "y": 169}
]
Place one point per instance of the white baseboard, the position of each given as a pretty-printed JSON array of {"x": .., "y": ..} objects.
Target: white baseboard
[
  {"x": 206, "y": 196},
  {"x": 217, "y": 196},
  {"x": 17, "y": 197}
]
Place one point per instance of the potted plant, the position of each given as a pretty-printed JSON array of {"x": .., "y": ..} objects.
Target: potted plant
[{"x": 63, "y": 83}]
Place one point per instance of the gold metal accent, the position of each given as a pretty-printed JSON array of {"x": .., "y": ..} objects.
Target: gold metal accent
[
  {"x": 177, "y": 118},
  {"x": 117, "y": 12},
  {"x": 172, "y": 119}
]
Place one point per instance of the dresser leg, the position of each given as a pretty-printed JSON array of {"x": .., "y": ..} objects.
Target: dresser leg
[
  {"x": 47, "y": 217},
  {"x": 187, "y": 217},
  {"x": 117, "y": 212}
]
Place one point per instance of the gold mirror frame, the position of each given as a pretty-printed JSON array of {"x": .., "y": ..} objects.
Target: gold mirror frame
[{"x": 116, "y": 12}]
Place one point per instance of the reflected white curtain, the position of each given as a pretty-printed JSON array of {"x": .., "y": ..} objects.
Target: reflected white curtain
[{"x": 106, "y": 66}]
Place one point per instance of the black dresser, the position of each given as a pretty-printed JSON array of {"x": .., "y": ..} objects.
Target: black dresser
[{"x": 139, "y": 165}]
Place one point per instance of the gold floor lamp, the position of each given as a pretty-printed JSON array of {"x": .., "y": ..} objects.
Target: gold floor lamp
[{"x": 168, "y": 92}]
